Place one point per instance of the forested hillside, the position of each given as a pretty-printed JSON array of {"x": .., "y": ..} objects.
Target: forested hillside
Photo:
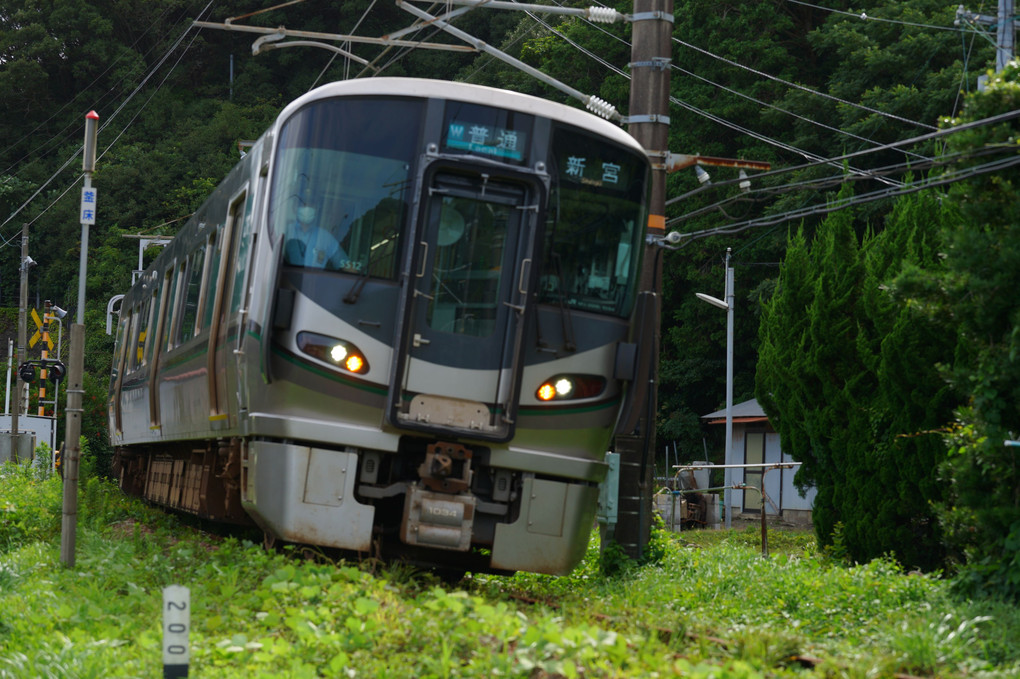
[{"x": 823, "y": 91}]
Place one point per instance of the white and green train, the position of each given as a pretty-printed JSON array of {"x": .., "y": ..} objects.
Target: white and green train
[{"x": 403, "y": 326}]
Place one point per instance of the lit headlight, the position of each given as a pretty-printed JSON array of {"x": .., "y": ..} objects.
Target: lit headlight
[
  {"x": 565, "y": 387},
  {"x": 339, "y": 352}
]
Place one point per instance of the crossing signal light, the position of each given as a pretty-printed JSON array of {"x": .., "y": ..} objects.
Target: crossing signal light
[{"x": 56, "y": 371}]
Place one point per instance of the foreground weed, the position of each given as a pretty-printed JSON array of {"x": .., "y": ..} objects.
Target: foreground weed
[{"x": 716, "y": 610}]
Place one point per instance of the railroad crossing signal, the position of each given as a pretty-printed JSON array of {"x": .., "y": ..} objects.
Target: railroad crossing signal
[
  {"x": 55, "y": 370},
  {"x": 39, "y": 332}
]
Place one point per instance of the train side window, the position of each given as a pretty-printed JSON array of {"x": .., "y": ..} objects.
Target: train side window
[
  {"x": 245, "y": 240},
  {"x": 133, "y": 343},
  {"x": 151, "y": 326},
  {"x": 189, "y": 314},
  {"x": 209, "y": 283},
  {"x": 173, "y": 306},
  {"x": 121, "y": 345}
]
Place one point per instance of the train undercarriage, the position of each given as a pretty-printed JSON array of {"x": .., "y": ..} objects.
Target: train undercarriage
[{"x": 433, "y": 504}]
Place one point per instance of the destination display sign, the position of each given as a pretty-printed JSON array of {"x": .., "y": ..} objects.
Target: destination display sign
[
  {"x": 480, "y": 130},
  {"x": 486, "y": 140}
]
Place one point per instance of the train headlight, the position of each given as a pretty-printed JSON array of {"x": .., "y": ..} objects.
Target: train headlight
[
  {"x": 339, "y": 352},
  {"x": 565, "y": 387}
]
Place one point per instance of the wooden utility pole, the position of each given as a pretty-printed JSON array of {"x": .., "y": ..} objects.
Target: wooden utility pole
[{"x": 648, "y": 123}]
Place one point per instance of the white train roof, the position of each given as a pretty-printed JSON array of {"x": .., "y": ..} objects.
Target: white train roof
[{"x": 478, "y": 94}]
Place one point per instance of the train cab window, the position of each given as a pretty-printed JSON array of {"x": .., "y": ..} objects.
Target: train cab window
[
  {"x": 595, "y": 224},
  {"x": 341, "y": 186},
  {"x": 244, "y": 243},
  {"x": 467, "y": 270},
  {"x": 189, "y": 314},
  {"x": 138, "y": 333}
]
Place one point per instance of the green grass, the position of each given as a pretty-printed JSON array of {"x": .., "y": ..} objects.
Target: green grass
[{"x": 710, "y": 606}]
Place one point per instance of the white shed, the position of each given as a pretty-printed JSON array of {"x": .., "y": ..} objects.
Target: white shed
[{"x": 756, "y": 442}]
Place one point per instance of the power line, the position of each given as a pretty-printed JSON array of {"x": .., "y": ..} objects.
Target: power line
[
  {"x": 814, "y": 210},
  {"x": 782, "y": 110},
  {"x": 816, "y": 183},
  {"x": 717, "y": 119},
  {"x": 108, "y": 121},
  {"x": 334, "y": 55},
  {"x": 803, "y": 88},
  {"x": 864, "y": 16},
  {"x": 61, "y": 136},
  {"x": 904, "y": 167}
]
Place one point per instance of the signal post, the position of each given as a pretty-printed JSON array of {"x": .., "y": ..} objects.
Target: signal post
[{"x": 76, "y": 368}]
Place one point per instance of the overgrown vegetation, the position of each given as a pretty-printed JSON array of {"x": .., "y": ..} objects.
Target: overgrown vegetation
[
  {"x": 710, "y": 606},
  {"x": 848, "y": 372},
  {"x": 871, "y": 342}
]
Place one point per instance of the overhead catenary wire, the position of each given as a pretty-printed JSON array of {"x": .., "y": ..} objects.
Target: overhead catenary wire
[
  {"x": 698, "y": 111},
  {"x": 347, "y": 62},
  {"x": 804, "y": 88},
  {"x": 813, "y": 157},
  {"x": 709, "y": 116},
  {"x": 786, "y": 112},
  {"x": 816, "y": 183}
]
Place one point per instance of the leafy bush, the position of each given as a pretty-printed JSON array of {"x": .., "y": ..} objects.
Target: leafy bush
[{"x": 30, "y": 505}]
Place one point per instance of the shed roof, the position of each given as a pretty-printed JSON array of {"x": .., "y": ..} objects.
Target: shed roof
[{"x": 748, "y": 411}]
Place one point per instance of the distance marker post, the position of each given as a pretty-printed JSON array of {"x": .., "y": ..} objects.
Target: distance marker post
[{"x": 176, "y": 625}]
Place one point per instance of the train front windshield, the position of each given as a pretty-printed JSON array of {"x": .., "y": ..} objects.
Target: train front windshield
[
  {"x": 594, "y": 224},
  {"x": 341, "y": 184},
  {"x": 341, "y": 193}
]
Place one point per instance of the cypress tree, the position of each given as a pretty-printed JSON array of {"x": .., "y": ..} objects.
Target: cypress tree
[{"x": 847, "y": 374}]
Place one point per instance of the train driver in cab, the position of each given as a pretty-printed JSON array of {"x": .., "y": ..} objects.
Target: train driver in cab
[{"x": 309, "y": 245}]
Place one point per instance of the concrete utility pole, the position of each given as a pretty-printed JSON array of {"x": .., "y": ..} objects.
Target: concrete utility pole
[
  {"x": 76, "y": 369},
  {"x": 648, "y": 123},
  {"x": 1005, "y": 35},
  {"x": 1005, "y": 23}
]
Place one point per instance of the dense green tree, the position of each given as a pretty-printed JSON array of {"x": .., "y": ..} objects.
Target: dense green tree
[
  {"x": 847, "y": 373},
  {"x": 977, "y": 294}
]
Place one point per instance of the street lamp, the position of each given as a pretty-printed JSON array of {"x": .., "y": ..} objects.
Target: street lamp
[{"x": 728, "y": 306}]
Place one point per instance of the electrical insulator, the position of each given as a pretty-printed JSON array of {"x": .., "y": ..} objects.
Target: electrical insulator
[
  {"x": 603, "y": 15},
  {"x": 601, "y": 107}
]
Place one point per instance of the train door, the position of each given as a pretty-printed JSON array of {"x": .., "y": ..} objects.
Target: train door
[
  {"x": 459, "y": 369},
  {"x": 153, "y": 341},
  {"x": 123, "y": 345},
  {"x": 225, "y": 254}
]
